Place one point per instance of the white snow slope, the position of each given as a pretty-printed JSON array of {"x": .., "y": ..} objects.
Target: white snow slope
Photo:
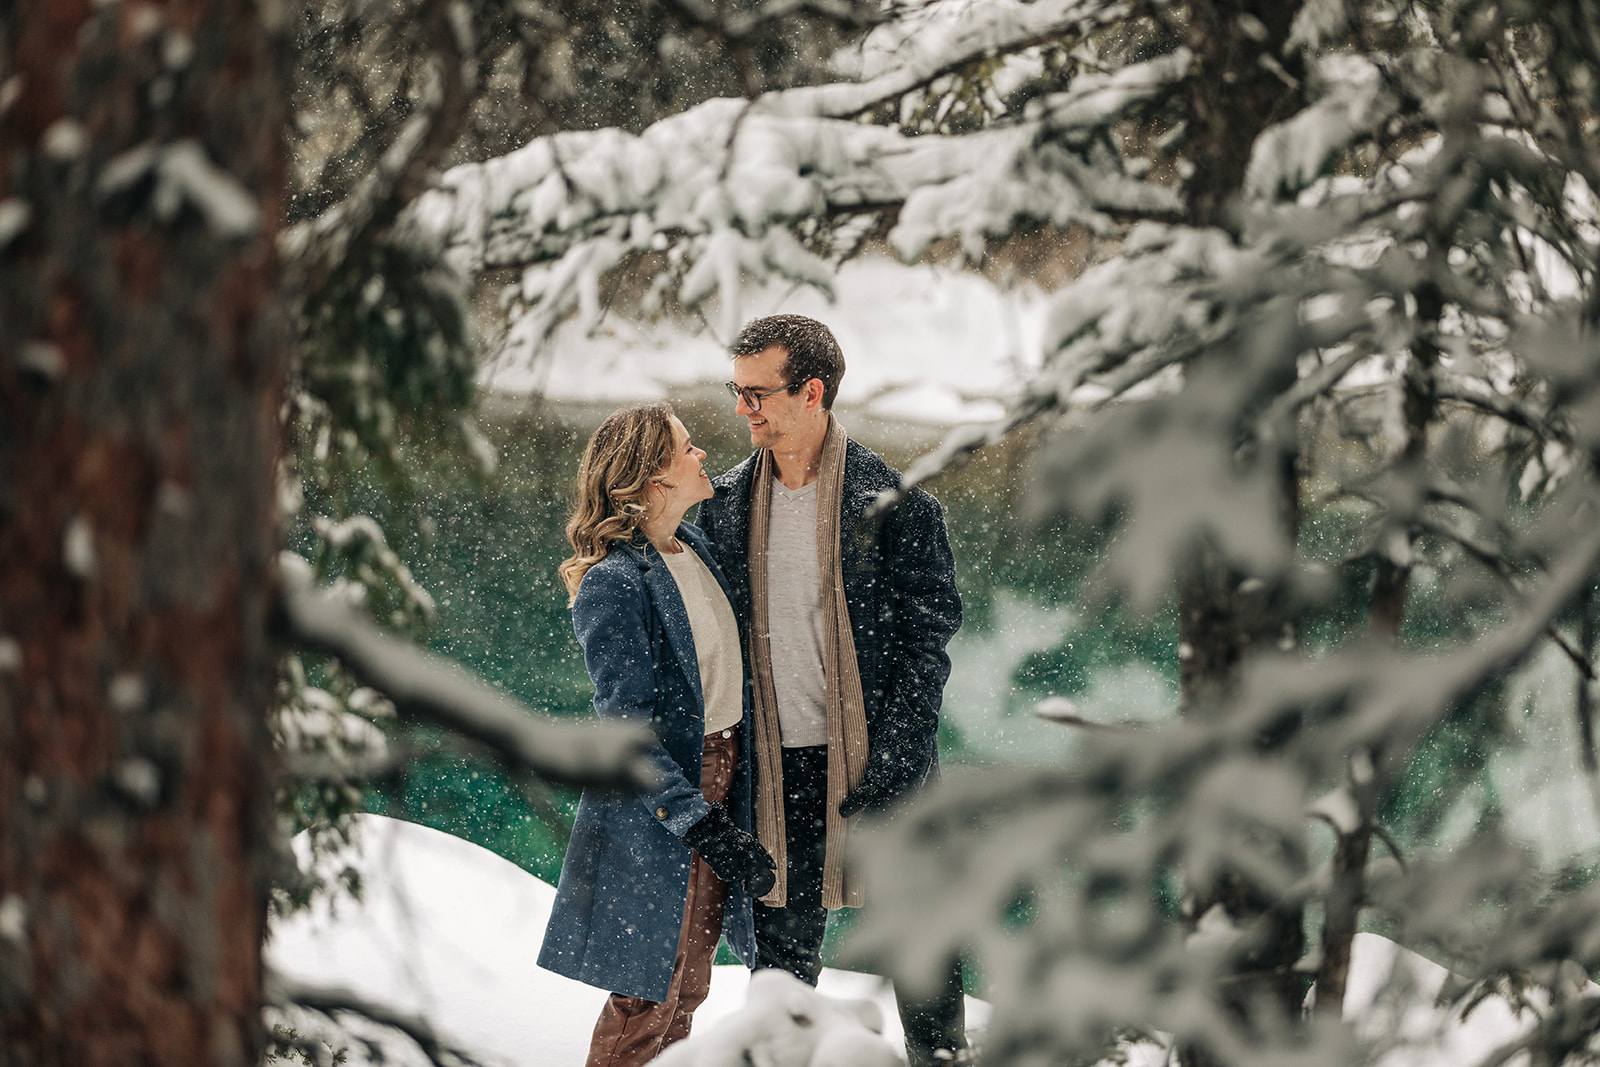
[{"x": 449, "y": 931}]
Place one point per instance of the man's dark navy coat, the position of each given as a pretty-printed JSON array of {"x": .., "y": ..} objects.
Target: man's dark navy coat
[{"x": 900, "y": 585}]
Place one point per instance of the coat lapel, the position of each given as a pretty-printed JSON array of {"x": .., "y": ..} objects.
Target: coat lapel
[
  {"x": 860, "y": 492},
  {"x": 674, "y": 616},
  {"x": 735, "y": 541},
  {"x": 703, "y": 550}
]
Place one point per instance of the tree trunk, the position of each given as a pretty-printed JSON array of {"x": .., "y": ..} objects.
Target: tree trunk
[
  {"x": 1391, "y": 585},
  {"x": 1242, "y": 84},
  {"x": 140, "y": 379}
]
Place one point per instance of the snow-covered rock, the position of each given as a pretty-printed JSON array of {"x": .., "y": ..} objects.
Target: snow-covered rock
[{"x": 786, "y": 1023}]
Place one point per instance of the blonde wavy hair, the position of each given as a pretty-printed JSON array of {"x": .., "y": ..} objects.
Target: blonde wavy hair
[{"x": 631, "y": 446}]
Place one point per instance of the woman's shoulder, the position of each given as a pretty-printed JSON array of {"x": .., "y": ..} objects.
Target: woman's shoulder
[{"x": 615, "y": 574}]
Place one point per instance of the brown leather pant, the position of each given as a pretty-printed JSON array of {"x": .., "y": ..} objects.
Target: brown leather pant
[{"x": 634, "y": 1031}]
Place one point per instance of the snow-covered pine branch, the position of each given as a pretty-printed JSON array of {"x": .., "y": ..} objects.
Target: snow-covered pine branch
[
  {"x": 425, "y": 686},
  {"x": 718, "y": 187},
  {"x": 992, "y": 29},
  {"x": 1082, "y": 850}
]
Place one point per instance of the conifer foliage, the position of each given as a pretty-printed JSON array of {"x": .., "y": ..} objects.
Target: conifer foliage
[
  {"x": 1335, "y": 346},
  {"x": 1333, "y": 357}
]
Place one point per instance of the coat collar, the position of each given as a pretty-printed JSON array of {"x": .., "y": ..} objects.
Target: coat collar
[{"x": 866, "y": 476}]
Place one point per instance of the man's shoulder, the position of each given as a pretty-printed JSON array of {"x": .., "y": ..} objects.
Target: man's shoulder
[
  {"x": 736, "y": 475},
  {"x": 730, "y": 492},
  {"x": 867, "y": 476},
  {"x": 865, "y": 469},
  {"x": 867, "y": 472}
]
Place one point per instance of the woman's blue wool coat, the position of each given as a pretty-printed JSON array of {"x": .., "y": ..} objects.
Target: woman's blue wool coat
[{"x": 619, "y": 906}]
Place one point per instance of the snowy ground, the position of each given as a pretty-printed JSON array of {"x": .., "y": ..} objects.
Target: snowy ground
[{"x": 449, "y": 931}]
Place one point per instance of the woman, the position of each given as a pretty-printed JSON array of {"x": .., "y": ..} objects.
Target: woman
[{"x": 651, "y": 881}]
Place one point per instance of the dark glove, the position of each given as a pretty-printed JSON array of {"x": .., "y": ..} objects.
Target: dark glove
[
  {"x": 871, "y": 795},
  {"x": 737, "y": 857}
]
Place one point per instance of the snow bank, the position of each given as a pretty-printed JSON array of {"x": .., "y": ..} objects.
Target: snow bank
[{"x": 449, "y": 931}]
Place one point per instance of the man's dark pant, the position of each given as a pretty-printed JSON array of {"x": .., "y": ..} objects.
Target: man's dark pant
[{"x": 790, "y": 937}]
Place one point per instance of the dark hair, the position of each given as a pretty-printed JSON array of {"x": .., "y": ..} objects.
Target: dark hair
[
  {"x": 810, "y": 347},
  {"x": 632, "y": 444}
]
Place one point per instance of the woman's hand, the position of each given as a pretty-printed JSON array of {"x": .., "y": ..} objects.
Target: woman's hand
[{"x": 737, "y": 857}]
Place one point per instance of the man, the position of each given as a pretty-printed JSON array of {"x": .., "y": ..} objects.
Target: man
[{"x": 847, "y": 618}]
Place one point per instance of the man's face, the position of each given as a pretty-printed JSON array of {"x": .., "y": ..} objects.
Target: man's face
[{"x": 781, "y": 413}]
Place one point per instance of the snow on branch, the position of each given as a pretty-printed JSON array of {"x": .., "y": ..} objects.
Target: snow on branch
[
  {"x": 961, "y": 445},
  {"x": 1097, "y": 99},
  {"x": 696, "y": 173},
  {"x": 721, "y": 189},
  {"x": 180, "y": 174},
  {"x": 1394, "y": 695},
  {"x": 995, "y": 29},
  {"x": 1353, "y": 99},
  {"x": 426, "y": 686}
]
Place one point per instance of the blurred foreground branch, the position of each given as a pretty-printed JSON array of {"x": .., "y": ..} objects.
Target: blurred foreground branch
[{"x": 429, "y": 687}]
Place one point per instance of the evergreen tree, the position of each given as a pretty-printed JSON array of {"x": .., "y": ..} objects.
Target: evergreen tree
[{"x": 1343, "y": 273}]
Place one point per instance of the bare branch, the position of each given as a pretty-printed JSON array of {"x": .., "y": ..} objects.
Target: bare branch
[
  {"x": 335, "y": 1000},
  {"x": 315, "y": 249},
  {"x": 1064, "y": 713},
  {"x": 963, "y": 444},
  {"x": 1585, "y": 702},
  {"x": 1390, "y": 843},
  {"x": 1496, "y": 563},
  {"x": 741, "y": 28},
  {"x": 1480, "y": 396}
]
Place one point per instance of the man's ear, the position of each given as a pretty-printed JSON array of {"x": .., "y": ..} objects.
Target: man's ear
[{"x": 812, "y": 392}]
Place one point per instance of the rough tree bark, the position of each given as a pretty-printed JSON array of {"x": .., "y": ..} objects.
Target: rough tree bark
[{"x": 141, "y": 174}]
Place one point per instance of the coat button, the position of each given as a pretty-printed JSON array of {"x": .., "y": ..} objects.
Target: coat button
[
  {"x": 661, "y": 813},
  {"x": 727, "y": 733}
]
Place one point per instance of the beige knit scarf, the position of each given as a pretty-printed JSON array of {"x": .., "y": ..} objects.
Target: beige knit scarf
[{"x": 847, "y": 713}]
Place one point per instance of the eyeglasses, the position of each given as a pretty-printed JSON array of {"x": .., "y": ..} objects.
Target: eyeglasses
[{"x": 752, "y": 398}]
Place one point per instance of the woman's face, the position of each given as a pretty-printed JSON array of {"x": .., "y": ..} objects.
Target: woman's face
[{"x": 683, "y": 481}]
